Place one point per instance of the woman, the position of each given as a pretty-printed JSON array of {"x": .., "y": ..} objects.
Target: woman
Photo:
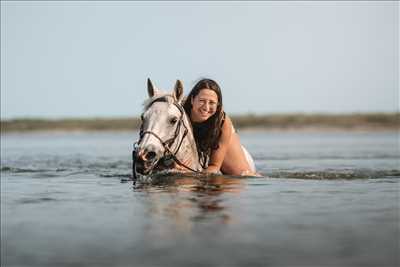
[{"x": 217, "y": 142}]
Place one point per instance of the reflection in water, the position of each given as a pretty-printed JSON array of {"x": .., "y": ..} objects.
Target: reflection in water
[{"x": 176, "y": 204}]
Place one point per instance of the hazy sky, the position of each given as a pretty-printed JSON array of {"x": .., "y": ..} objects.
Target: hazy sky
[{"x": 73, "y": 59}]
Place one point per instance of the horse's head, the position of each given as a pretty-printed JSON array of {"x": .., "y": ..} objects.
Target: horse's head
[{"x": 162, "y": 121}]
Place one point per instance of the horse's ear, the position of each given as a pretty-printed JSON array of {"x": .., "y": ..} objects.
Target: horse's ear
[
  {"x": 150, "y": 88},
  {"x": 178, "y": 90}
]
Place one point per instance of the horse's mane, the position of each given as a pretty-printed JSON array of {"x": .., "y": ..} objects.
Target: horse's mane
[{"x": 160, "y": 97}]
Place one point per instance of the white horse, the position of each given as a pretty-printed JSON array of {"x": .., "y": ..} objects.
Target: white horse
[{"x": 166, "y": 136}]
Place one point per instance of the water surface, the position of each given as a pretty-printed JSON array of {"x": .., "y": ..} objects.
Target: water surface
[{"x": 325, "y": 199}]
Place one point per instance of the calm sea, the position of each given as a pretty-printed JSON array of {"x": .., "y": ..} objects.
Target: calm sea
[{"x": 326, "y": 199}]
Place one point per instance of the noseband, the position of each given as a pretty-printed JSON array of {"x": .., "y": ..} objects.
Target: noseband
[{"x": 167, "y": 144}]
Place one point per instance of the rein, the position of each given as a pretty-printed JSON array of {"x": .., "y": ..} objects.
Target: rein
[{"x": 166, "y": 144}]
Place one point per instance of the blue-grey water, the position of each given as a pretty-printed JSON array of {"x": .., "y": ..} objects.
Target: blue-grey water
[{"x": 325, "y": 199}]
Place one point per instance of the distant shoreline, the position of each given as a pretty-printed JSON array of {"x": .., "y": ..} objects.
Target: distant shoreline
[{"x": 275, "y": 122}]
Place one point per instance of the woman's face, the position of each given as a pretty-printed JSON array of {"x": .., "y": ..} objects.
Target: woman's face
[{"x": 204, "y": 105}]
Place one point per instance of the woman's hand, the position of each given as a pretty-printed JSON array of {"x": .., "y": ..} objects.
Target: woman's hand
[{"x": 212, "y": 169}]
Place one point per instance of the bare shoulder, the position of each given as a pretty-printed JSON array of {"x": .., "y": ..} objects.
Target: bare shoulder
[
  {"x": 226, "y": 131},
  {"x": 227, "y": 127}
]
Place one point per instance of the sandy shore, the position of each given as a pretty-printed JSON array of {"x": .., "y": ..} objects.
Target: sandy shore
[{"x": 369, "y": 122}]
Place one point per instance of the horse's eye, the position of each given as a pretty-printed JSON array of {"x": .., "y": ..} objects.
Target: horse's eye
[{"x": 173, "y": 120}]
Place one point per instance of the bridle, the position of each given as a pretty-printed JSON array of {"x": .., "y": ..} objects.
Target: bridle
[{"x": 167, "y": 144}]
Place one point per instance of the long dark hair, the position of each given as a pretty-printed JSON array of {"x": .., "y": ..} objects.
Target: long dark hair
[{"x": 206, "y": 133}]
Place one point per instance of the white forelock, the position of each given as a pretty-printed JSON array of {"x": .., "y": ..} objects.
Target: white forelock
[{"x": 161, "y": 94}]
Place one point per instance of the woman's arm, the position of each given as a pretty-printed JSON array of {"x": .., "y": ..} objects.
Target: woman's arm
[{"x": 218, "y": 155}]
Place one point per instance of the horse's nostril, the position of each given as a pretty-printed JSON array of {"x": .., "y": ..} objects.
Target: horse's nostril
[{"x": 151, "y": 155}]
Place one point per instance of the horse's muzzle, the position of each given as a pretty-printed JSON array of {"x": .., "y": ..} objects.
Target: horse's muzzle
[{"x": 145, "y": 161}]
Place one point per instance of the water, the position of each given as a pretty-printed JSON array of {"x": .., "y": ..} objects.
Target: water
[{"x": 326, "y": 199}]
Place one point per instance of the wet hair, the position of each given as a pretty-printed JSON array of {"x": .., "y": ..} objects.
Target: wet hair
[{"x": 207, "y": 133}]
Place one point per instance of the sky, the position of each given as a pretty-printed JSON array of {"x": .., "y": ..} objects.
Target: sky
[{"x": 92, "y": 59}]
